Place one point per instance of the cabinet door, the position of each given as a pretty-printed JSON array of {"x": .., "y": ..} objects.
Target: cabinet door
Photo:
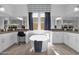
[
  {"x": 3, "y": 44},
  {"x": 54, "y": 37},
  {"x": 0, "y": 44},
  {"x": 72, "y": 42},
  {"x": 68, "y": 42},
  {"x": 58, "y": 37},
  {"x": 65, "y": 38},
  {"x": 12, "y": 38},
  {"x": 77, "y": 43},
  {"x": 5, "y": 39}
]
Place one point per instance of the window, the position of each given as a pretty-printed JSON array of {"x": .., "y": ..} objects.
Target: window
[
  {"x": 38, "y": 21},
  {"x": 35, "y": 21},
  {"x": 42, "y": 18}
]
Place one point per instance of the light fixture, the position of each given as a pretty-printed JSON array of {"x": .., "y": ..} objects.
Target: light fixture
[
  {"x": 58, "y": 18},
  {"x": 19, "y": 18},
  {"x": 76, "y": 9},
  {"x": 2, "y": 9}
]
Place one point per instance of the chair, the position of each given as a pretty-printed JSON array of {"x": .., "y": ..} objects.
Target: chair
[{"x": 21, "y": 37}]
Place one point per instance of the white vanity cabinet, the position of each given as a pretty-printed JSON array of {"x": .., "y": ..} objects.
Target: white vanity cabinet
[
  {"x": 72, "y": 40},
  {"x": 77, "y": 43},
  {"x": 57, "y": 37},
  {"x": 13, "y": 37},
  {"x": 68, "y": 38},
  {"x": 6, "y": 40},
  {"x": 1, "y": 44}
]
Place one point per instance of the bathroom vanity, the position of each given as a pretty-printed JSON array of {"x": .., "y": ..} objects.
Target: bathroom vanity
[
  {"x": 70, "y": 39},
  {"x": 7, "y": 40}
]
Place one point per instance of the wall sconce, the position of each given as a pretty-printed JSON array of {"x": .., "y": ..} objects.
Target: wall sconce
[
  {"x": 19, "y": 18},
  {"x": 59, "y": 18}
]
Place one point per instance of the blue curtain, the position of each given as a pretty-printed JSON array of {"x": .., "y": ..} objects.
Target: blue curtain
[
  {"x": 30, "y": 21},
  {"x": 47, "y": 21}
]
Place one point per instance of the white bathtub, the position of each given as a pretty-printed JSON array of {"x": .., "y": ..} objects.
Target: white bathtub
[
  {"x": 42, "y": 38},
  {"x": 48, "y": 35}
]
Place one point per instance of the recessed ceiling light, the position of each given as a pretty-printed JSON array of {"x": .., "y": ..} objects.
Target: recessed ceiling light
[
  {"x": 2, "y": 9},
  {"x": 76, "y": 9}
]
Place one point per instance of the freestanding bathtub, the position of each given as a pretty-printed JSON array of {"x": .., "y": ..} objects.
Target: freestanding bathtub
[
  {"x": 39, "y": 35},
  {"x": 42, "y": 38}
]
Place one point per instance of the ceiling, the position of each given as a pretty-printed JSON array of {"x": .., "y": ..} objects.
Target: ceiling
[
  {"x": 39, "y": 7},
  {"x": 63, "y": 10}
]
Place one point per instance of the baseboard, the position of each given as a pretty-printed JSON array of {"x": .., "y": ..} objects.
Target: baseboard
[{"x": 58, "y": 43}]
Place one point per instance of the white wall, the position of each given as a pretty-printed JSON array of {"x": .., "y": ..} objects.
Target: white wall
[
  {"x": 8, "y": 10},
  {"x": 56, "y": 10},
  {"x": 20, "y": 10},
  {"x": 70, "y": 10}
]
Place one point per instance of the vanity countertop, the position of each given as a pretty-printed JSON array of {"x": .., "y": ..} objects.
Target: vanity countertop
[
  {"x": 53, "y": 30},
  {"x": 10, "y": 31},
  {"x": 7, "y": 32},
  {"x": 60, "y": 30}
]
